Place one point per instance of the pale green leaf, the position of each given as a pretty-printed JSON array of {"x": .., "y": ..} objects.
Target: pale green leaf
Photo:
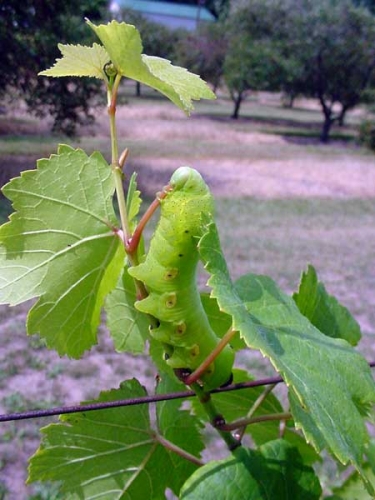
[
  {"x": 324, "y": 311},
  {"x": 128, "y": 327},
  {"x": 331, "y": 382},
  {"x": 124, "y": 46},
  {"x": 112, "y": 453},
  {"x": 60, "y": 246},
  {"x": 275, "y": 471},
  {"x": 176, "y": 83},
  {"x": 79, "y": 60}
]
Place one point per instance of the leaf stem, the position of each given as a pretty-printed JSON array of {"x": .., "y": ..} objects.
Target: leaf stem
[
  {"x": 216, "y": 419},
  {"x": 179, "y": 451},
  {"x": 118, "y": 177},
  {"x": 241, "y": 422},
  {"x": 133, "y": 242}
]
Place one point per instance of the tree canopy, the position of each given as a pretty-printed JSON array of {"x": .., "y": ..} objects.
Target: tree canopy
[
  {"x": 30, "y": 31},
  {"x": 318, "y": 48}
]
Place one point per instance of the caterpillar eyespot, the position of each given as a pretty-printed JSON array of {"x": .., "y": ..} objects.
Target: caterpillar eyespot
[{"x": 169, "y": 274}]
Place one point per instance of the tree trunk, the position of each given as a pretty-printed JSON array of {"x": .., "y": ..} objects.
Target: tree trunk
[
  {"x": 237, "y": 105},
  {"x": 341, "y": 117},
  {"x": 328, "y": 122},
  {"x": 137, "y": 89}
]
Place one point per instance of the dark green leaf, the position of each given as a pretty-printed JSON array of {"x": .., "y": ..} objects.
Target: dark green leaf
[
  {"x": 275, "y": 471},
  {"x": 331, "y": 385},
  {"x": 112, "y": 453}
]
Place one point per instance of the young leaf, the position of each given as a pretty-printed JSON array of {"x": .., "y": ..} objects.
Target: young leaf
[
  {"x": 324, "y": 311},
  {"x": 111, "y": 453},
  {"x": 133, "y": 199},
  {"x": 124, "y": 46},
  {"x": 274, "y": 471},
  {"x": 332, "y": 383},
  {"x": 128, "y": 327},
  {"x": 79, "y": 60},
  {"x": 60, "y": 246}
]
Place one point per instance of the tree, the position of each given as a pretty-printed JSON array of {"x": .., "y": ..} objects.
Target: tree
[
  {"x": 337, "y": 53},
  {"x": 370, "y": 4},
  {"x": 255, "y": 59},
  {"x": 30, "y": 31},
  {"x": 323, "y": 48},
  {"x": 203, "y": 52}
]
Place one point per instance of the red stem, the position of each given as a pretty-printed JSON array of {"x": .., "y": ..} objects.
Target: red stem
[{"x": 133, "y": 242}]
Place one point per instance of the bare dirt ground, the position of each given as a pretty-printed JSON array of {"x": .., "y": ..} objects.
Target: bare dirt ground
[{"x": 31, "y": 376}]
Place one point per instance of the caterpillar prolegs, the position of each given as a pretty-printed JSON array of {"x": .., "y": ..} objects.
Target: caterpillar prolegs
[{"x": 169, "y": 274}]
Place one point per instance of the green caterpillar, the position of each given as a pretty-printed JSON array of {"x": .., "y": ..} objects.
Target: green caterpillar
[{"x": 169, "y": 274}]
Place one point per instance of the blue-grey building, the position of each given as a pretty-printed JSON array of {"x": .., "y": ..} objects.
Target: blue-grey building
[{"x": 170, "y": 14}]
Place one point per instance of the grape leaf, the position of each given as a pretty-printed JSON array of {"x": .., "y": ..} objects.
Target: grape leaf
[
  {"x": 79, "y": 60},
  {"x": 60, "y": 246},
  {"x": 112, "y": 453},
  {"x": 324, "y": 311},
  {"x": 274, "y": 471},
  {"x": 332, "y": 383},
  {"x": 124, "y": 46},
  {"x": 128, "y": 327}
]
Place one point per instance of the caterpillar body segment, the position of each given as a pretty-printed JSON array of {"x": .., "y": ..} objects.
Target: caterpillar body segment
[{"x": 169, "y": 274}]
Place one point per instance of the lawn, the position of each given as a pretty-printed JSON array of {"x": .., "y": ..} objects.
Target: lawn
[{"x": 283, "y": 200}]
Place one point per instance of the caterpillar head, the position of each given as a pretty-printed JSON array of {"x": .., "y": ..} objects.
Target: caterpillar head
[{"x": 189, "y": 180}]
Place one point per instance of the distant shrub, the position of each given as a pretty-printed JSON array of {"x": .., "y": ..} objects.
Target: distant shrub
[{"x": 367, "y": 134}]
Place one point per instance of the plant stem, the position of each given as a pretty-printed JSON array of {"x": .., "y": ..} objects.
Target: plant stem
[
  {"x": 193, "y": 377},
  {"x": 215, "y": 418},
  {"x": 133, "y": 243},
  {"x": 118, "y": 177},
  {"x": 179, "y": 451},
  {"x": 116, "y": 169},
  {"x": 241, "y": 422},
  {"x": 112, "y": 101}
]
